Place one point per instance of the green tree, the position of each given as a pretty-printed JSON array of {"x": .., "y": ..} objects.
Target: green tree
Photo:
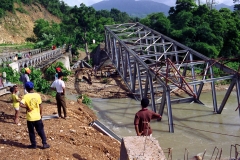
[
  {"x": 206, "y": 49},
  {"x": 39, "y": 27},
  {"x": 7, "y": 5},
  {"x": 84, "y": 22},
  {"x": 236, "y": 6},
  {"x": 158, "y": 22},
  {"x": 27, "y": 1},
  {"x": 118, "y": 16}
]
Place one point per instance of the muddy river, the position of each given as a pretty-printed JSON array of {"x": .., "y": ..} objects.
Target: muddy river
[{"x": 196, "y": 127}]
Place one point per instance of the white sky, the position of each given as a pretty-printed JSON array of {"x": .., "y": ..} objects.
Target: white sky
[{"x": 167, "y": 2}]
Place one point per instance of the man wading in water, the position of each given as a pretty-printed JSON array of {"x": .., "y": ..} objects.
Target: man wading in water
[{"x": 142, "y": 119}]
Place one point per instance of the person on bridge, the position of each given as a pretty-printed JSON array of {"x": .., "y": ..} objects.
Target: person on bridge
[
  {"x": 32, "y": 102},
  {"x": 19, "y": 55},
  {"x": 59, "y": 86},
  {"x": 15, "y": 58},
  {"x": 143, "y": 117},
  {"x": 28, "y": 55}
]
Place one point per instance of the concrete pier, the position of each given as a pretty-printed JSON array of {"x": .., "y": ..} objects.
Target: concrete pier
[{"x": 141, "y": 148}]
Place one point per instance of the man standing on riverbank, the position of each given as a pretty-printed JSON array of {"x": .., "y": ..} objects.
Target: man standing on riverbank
[
  {"x": 59, "y": 86},
  {"x": 32, "y": 102},
  {"x": 142, "y": 119}
]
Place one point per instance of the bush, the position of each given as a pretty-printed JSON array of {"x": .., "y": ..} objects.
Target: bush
[
  {"x": 21, "y": 10},
  {"x": 86, "y": 100},
  {"x": 12, "y": 75},
  {"x": 40, "y": 84},
  {"x": 51, "y": 71},
  {"x": 2, "y": 13}
]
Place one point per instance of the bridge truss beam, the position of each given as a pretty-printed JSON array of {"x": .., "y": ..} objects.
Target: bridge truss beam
[{"x": 154, "y": 65}]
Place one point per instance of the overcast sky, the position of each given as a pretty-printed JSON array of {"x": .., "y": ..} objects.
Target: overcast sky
[{"x": 167, "y": 2}]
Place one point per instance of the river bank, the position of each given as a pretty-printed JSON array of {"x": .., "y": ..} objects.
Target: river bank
[{"x": 72, "y": 138}]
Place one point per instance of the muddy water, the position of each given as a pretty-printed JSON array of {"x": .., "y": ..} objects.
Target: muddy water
[{"x": 196, "y": 127}]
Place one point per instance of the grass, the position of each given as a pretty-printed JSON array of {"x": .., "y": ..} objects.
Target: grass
[
  {"x": 16, "y": 47},
  {"x": 26, "y": 45}
]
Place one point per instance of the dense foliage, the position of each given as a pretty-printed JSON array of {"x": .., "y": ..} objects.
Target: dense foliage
[
  {"x": 11, "y": 75},
  {"x": 41, "y": 84},
  {"x": 214, "y": 33},
  {"x": 51, "y": 71},
  {"x": 80, "y": 26},
  {"x": 86, "y": 100}
]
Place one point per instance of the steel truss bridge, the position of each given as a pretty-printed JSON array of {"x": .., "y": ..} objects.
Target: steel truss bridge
[{"x": 154, "y": 65}]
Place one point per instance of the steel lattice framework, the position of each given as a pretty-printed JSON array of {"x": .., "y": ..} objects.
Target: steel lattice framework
[{"x": 154, "y": 65}]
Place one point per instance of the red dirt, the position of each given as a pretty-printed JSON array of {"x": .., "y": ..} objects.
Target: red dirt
[{"x": 72, "y": 138}]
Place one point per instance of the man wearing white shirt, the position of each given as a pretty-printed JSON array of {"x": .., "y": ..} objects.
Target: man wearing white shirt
[{"x": 59, "y": 86}]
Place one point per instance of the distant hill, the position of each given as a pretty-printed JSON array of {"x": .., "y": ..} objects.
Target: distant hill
[
  {"x": 133, "y": 8},
  {"x": 219, "y": 6}
]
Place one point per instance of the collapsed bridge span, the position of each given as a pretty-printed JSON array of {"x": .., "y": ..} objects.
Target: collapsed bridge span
[{"x": 154, "y": 65}]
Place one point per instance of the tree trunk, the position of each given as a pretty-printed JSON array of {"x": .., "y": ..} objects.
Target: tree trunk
[{"x": 86, "y": 46}]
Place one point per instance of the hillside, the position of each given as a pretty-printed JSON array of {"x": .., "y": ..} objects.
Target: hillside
[
  {"x": 16, "y": 27},
  {"x": 133, "y": 8}
]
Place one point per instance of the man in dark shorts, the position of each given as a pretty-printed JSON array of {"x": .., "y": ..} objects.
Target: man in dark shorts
[{"x": 142, "y": 119}]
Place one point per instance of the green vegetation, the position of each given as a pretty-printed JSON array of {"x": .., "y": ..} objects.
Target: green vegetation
[
  {"x": 16, "y": 47},
  {"x": 86, "y": 100},
  {"x": 51, "y": 71},
  {"x": 209, "y": 31},
  {"x": 12, "y": 75},
  {"x": 21, "y": 10},
  {"x": 37, "y": 77},
  {"x": 40, "y": 84}
]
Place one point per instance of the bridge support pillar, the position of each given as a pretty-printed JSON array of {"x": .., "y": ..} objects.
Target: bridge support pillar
[
  {"x": 141, "y": 147},
  {"x": 170, "y": 119},
  {"x": 238, "y": 92},
  {"x": 229, "y": 91},
  {"x": 213, "y": 92}
]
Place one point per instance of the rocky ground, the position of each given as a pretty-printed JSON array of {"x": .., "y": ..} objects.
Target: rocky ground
[{"x": 72, "y": 138}]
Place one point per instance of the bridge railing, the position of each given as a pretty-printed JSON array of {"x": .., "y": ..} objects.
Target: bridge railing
[
  {"x": 38, "y": 59},
  {"x": 9, "y": 57}
]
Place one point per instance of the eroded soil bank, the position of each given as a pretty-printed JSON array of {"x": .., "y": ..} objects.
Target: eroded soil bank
[{"x": 72, "y": 138}]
